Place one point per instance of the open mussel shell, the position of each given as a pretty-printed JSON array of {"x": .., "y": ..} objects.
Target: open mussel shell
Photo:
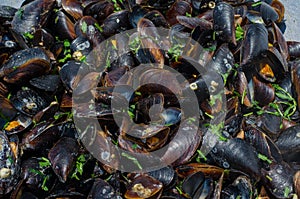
[
  {"x": 19, "y": 124},
  {"x": 144, "y": 186},
  {"x": 198, "y": 186},
  {"x": 25, "y": 65},
  {"x": 212, "y": 171}
]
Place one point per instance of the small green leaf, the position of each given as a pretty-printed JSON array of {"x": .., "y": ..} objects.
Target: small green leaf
[
  {"x": 67, "y": 43},
  {"x": 84, "y": 27},
  {"x": 98, "y": 27},
  {"x": 269, "y": 178},
  {"x": 133, "y": 159},
  {"x": 287, "y": 192},
  {"x": 28, "y": 35},
  {"x": 264, "y": 158},
  {"x": 256, "y": 4},
  {"x": 188, "y": 14}
]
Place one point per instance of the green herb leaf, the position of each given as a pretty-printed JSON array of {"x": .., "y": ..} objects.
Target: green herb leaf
[
  {"x": 287, "y": 192},
  {"x": 239, "y": 32},
  {"x": 133, "y": 159},
  {"x": 84, "y": 27},
  {"x": 28, "y": 35},
  {"x": 264, "y": 158}
]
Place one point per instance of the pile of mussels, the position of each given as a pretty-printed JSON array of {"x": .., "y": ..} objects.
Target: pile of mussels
[{"x": 46, "y": 65}]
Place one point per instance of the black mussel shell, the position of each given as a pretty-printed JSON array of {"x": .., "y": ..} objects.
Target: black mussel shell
[
  {"x": 28, "y": 101},
  {"x": 63, "y": 157},
  {"x": 25, "y": 65}
]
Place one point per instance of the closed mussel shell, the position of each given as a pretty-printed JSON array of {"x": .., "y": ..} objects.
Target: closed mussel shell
[
  {"x": 63, "y": 156},
  {"x": 25, "y": 65},
  {"x": 28, "y": 101}
]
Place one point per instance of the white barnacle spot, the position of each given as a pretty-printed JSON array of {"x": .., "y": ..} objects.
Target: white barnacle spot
[
  {"x": 298, "y": 135},
  {"x": 105, "y": 155},
  {"x": 226, "y": 165},
  {"x": 31, "y": 105},
  {"x": 25, "y": 100},
  {"x": 91, "y": 28},
  {"x": 213, "y": 86},
  {"x": 118, "y": 20},
  {"x": 5, "y": 172},
  {"x": 9, "y": 44},
  {"x": 193, "y": 86},
  {"x": 212, "y": 5}
]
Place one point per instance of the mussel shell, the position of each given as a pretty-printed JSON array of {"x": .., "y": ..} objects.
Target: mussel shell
[
  {"x": 28, "y": 102},
  {"x": 9, "y": 163},
  {"x": 288, "y": 143},
  {"x": 73, "y": 8},
  {"x": 262, "y": 143},
  {"x": 237, "y": 154},
  {"x": 263, "y": 93},
  {"x": 194, "y": 22},
  {"x": 294, "y": 49},
  {"x": 7, "y": 110},
  {"x": 115, "y": 23},
  {"x": 41, "y": 137},
  {"x": 295, "y": 76},
  {"x": 25, "y": 65},
  {"x": 7, "y": 13},
  {"x": 69, "y": 74},
  {"x": 282, "y": 179},
  {"x": 240, "y": 187},
  {"x": 32, "y": 16},
  {"x": 98, "y": 9},
  {"x": 47, "y": 82},
  {"x": 136, "y": 14},
  {"x": 224, "y": 22},
  {"x": 60, "y": 21},
  {"x": 255, "y": 42},
  {"x": 178, "y": 8},
  {"x": 86, "y": 27},
  {"x": 184, "y": 146},
  {"x": 63, "y": 156},
  {"x": 81, "y": 44},
  {"x": 101, "y": 189},
  {"x": 144, "y": 186},
  {"x": 166, "y": 175},
  {"x": 19, "y": 124},
  {"x": 157, "y": 18}
]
